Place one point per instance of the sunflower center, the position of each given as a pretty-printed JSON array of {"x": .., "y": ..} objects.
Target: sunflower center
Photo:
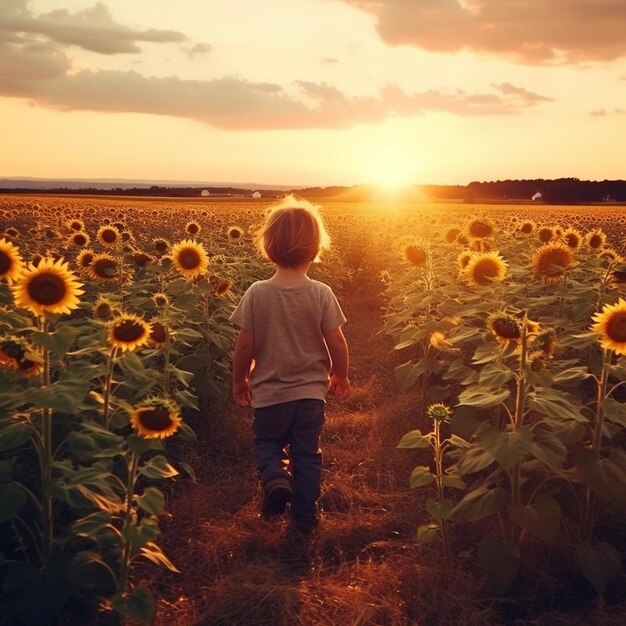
[
  {"x": 128, "y": 331},
  {"x": 452, "y": 234},
  {"x": 189, "y": 259},
  {"x": 619, "y": 275},
  {"x": 595, "y": 241},
  {"x": 572, "y": 240},
  {"x": 159, "y": 333},
  {"x": 485, "y": 270},
  {"x": 505, "y": 328},
  {"x": 80, "y": 240},
  {"x": 86, "y": 260},
  {"x": 47, "y": 289},
  {"x": 480, "y": 229},
  {"x": 109, "y": 235},
  {"x": 415, "y": 255},
  {"x": 526, "y": 228},
  {"x": 616, "y": 327},
  {"x": 105, "y": 268},
  {"x": 156, "y": 419},
  {"x": 5, "y": 262}
]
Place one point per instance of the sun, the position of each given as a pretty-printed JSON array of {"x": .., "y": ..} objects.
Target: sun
[{"x": 390, "y": 170}]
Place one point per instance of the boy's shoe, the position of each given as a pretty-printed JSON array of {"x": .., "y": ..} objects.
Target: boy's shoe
[{"x": 277, "y": 493}]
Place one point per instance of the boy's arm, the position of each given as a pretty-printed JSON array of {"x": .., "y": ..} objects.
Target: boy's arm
[
  {"x": 242, "y": 359},
  {"x": 338, "y": 349}
]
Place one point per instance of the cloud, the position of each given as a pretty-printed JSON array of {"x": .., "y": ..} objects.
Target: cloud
[
  {"x": 528, "y": 96},
  {"x": 91, "y": 29},
  {"x": 328, "y": 61},
  {"x": 199, "y": 48},
  {"x": 527, "y": 31},
  {"x": 234, "y": 103},
  {"x": 604, "y": 112}
]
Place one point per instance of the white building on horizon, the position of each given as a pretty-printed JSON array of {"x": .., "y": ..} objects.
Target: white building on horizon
[
  {"x": 538, "y": 197},
  {"x": 256, "y": 194},
  {"x": 205, "y": 192}
]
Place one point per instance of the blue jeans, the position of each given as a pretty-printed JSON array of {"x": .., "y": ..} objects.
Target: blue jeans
[{"x": 295, "y": 425}]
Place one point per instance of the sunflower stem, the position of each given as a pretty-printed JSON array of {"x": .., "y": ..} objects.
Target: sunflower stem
[
  {"x": 440, "y": 489},
  {"x": 518, "y": 421},
  {"x": 126, "y": 544},
  {"x": 46, "y": 461},
  {"x": 596, "y": 445},
  {"x": 107, "y": 388}
]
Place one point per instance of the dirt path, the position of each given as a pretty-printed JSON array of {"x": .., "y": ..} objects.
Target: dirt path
[{"x": 239, "y": 569}]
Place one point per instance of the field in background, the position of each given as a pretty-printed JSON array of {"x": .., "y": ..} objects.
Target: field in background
[{"x": 420, "y": 317}]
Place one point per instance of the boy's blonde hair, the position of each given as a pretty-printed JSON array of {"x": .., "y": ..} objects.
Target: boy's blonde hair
[{"x": 293, "y": 234}]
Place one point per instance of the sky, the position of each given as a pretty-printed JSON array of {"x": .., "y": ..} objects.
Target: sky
[{"x": 313, "y": 92}]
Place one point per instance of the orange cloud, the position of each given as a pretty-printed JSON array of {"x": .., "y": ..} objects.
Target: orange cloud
[{"x": 527, "y": 31}]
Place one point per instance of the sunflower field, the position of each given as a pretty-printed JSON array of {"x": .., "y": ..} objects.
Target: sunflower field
[{"x": 508, "y": 330}]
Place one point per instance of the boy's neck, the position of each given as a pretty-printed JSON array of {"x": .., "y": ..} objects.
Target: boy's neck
[{"x": 291, "y": 275}]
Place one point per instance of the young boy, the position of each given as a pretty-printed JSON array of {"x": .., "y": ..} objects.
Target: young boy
[{"x": 290, "y": 333}]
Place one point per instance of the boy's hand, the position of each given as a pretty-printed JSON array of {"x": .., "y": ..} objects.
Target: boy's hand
[
  {"x": 241, "y": 393},
  {"x": 339, "y": 386}
]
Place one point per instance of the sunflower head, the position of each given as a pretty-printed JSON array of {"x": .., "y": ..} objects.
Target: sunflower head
[
  {"x": 546, "y": 342},
  {"x": 552, "y": 260},
  {"x": 222, "y": 288},
  {"x": 108, "y": 235},
  {"x": 235, "y": 232},
  {"x": 504, "y": 327},
  {"x": 452, "y": 234},
  {"x": 610, "y": 326},
  {"x": 480, "y": 228},
  {"x": 463, "y": 259},
  {"x": 160, "y": 299},
  {"x": 190, "y": 259},
  {"x": 439, "y": 412},
  {"x": 572, "y": 238},
  {"x": 160, "y": 246},
  {"x": 18, "y": 355},
  {"x": 596, "y": 239},
  {"x": 10, "y": 261},
  {"x": 156, "y": 418},
  {"x": 158, "y": 334},
  {"x": 537, "y": 361},
  {"x": 479, "y": 245},
  {"x": 527, "y": 227},
  {"x": 192, "y": 228},
  {"x": 618, "y": 274},
  {"x": 546, "y": 234},
  {"x": 76, "y": 224},
  {"x": 49, "y": 287},
  {"x": 79, "y": 239},
  {"x": 415, "y": 255},
  {"x": 128, "y": 331},
  {"x": 85, "y": 259},
  {"x": 103, "y": 309},
  {"x": 485, "y": 268},
  {"x": 139, "y": 259},
  {"x": 11, "y": 232},
  {"x": 104, "y": 267}
]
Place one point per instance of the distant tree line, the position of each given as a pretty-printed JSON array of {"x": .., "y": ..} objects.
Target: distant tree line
[{"x": 557, "y": 191}]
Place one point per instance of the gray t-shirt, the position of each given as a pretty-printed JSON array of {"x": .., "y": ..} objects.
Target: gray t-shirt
[{"x": 291, "y": 359}]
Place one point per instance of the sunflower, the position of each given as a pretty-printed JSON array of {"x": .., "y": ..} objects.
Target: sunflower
[
  {"x": 462, "y": 239},
  {"x": 18, "y": 355},
  {"x": 108, "y": 235},
  {"x": 85, "y": 259},
  {"x": 546, "y": 234},
  {"x": 139, "y": 259},
  {"x": 537, "y": 361},
  {"x": 50, "y": 287},
  {"x": 527, "y": 227},
  {"x": 10, "y": 260},
  {"x": 234, "y": 232},
  {"x": 103, "y": 309},
  {"x": 192, "y": 228},
  {"x": 128, "y": 331},
  {"x": 611, "y": 255},
  {"x": 618, "y": 273},
  {"x": 596, "y": 239},
  {"x": 439, "y": 411},
  {"x": 572, "y": 238},
  {"x": 551, "y": 260},
  {"x": 79, "y": 238},
  {"x": 480, "y": 228},
  {"x": 160, "y": 245},
  {"x": 76, "y": 224},
  {"x": 103, "y": 267},
  {"x": 222, "y": 287},
  {"x": 505, "y": 328},
  {"x": 12, "y": 232},
  {"x": 415, "y": 255},
  {"x": 485, "y": 268},
  {"x": 463, "y": 259},
  {"x": 156, "y": 418},
  {"x": 479, "y": 245},
  {"x": 610, "y": 324},
  {"x": 160, "y": 299},
  {"x": 546, "y": 342},
  {"x": 158, "y": 334},
  {"x": 190, "y": 258}
]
